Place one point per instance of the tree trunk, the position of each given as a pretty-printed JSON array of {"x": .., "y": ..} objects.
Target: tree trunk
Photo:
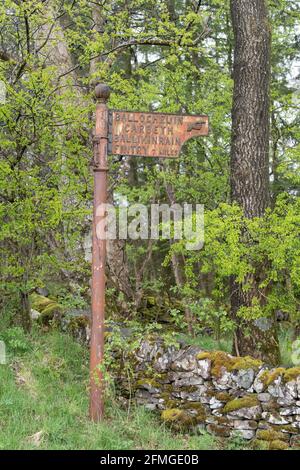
[
  {"x": 25, "y": 311},
  {"x": 250, "y": 159}
]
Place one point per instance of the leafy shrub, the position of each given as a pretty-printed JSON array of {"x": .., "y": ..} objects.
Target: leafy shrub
[{"x": 15, "y": 340}]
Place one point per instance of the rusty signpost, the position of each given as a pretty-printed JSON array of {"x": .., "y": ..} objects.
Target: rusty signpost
[
  {"x": 129, "y": 134},
  {"x": 152, "y": 134}
]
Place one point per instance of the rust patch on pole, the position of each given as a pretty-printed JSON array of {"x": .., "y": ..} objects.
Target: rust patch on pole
[
  {"x": 100, "y": 168},
  {"x": 153, "y": 134}
]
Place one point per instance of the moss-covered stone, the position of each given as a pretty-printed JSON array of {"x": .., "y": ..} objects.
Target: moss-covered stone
[
  {"x": 146, "y": 381},
  {"x": 221, "y": 420},
  {"x": 49, "y": 308},
  {"x": 285, "y": 428},
  {"x": 186, "y": 388},
  {"x": 204, "y": 355},
  {"x": 291, "y": 374},
  {"x": 170, "y": 403},
  {"x": 192, "y": 405},
  {"x": 220, "y": 431},
  {"x": 244, "y": 363},
  {"x": 171, "y": 415},
  {"x": 223, "y": 396},
  {"x": 221, "y": 360},
  {"x": 238, "y": 403},
  {"x": 179, "y": 419},
  {"x": 269, "y": 376},
  {"x": 197, "y": 409},
  {"x": 260, "y": 445},
  {"x": 278, "y": 445},
  {"x": 271, "y": 435}
]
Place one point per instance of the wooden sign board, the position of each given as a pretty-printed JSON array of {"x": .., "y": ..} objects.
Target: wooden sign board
[{"x": 152, "y": 134}]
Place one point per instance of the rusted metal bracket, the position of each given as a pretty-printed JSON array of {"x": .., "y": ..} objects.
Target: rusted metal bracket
[{"x": 99, "y": 164}]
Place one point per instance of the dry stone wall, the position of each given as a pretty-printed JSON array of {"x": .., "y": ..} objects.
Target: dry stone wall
[{"x": 215, "y": 391}]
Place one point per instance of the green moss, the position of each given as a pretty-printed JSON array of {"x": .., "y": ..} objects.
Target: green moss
[
  {"x": 47, "y": 307},
  {"x": 260, "y": 445},
  {"x": 171, "y": 415},
  {"x": 223, "y": 396},
  {"x": 168, "y": 388},
  {"x": 164, "y": 395},
  {"x": 204, "y": 355},
  {"x": 78, "y": 322},
  {"x": 288, "y": 428},
  {"x": 222, "y": 420},
  {"x": 200, "y": 418},
  {"x": 179, "y": 419},
  {"x": 278, "y": 445},
  {"x": 187, "y": 388},
  {"x": 291, "y": 374},
  {"x": 270, "y": 435},
  {"x": 146, "y": 381},
  {"x": 192, "y": 405},
  {"x": 172, "y": 404},
  {"x": 247, "y": 362},
  {"x": 221, "y": 359},
  {"x": 218, "y": 430},
  {"x": 151, "y": 300},
  {"x": 238, "y": 403},
  {"x": 269, "y": 376},
  {"x": 210, "y": 392}
]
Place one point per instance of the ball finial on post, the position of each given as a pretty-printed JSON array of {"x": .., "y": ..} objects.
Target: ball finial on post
[{"x": 102, "y": 92}]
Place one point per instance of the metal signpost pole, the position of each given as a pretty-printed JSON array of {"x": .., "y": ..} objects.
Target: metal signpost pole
[
  {"x": 100, "y": 168},
  {"x": 134, "y": 134}
]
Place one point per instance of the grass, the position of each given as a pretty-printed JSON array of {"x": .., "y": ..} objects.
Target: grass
[
  {"x": 285, "y": 341},
  {"x": 209, "y": 343},
  {"x": 44, "y": 403}
]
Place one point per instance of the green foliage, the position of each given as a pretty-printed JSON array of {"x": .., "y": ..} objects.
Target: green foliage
[
  {"x": 15, "y": 340},
  {"x": 156, "y": 56},
  {"x": 236, "y": 442},
  {"x": 122, "y": 340},
  {"x": 272, "y": 245},
  {"x": 44, "y": 405}
]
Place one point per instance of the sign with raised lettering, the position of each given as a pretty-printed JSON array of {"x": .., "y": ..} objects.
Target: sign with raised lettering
[{"x": 152, "y": 134}]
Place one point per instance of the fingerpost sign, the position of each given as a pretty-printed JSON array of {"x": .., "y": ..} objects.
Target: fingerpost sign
[{"x": 136, "y": 134}]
